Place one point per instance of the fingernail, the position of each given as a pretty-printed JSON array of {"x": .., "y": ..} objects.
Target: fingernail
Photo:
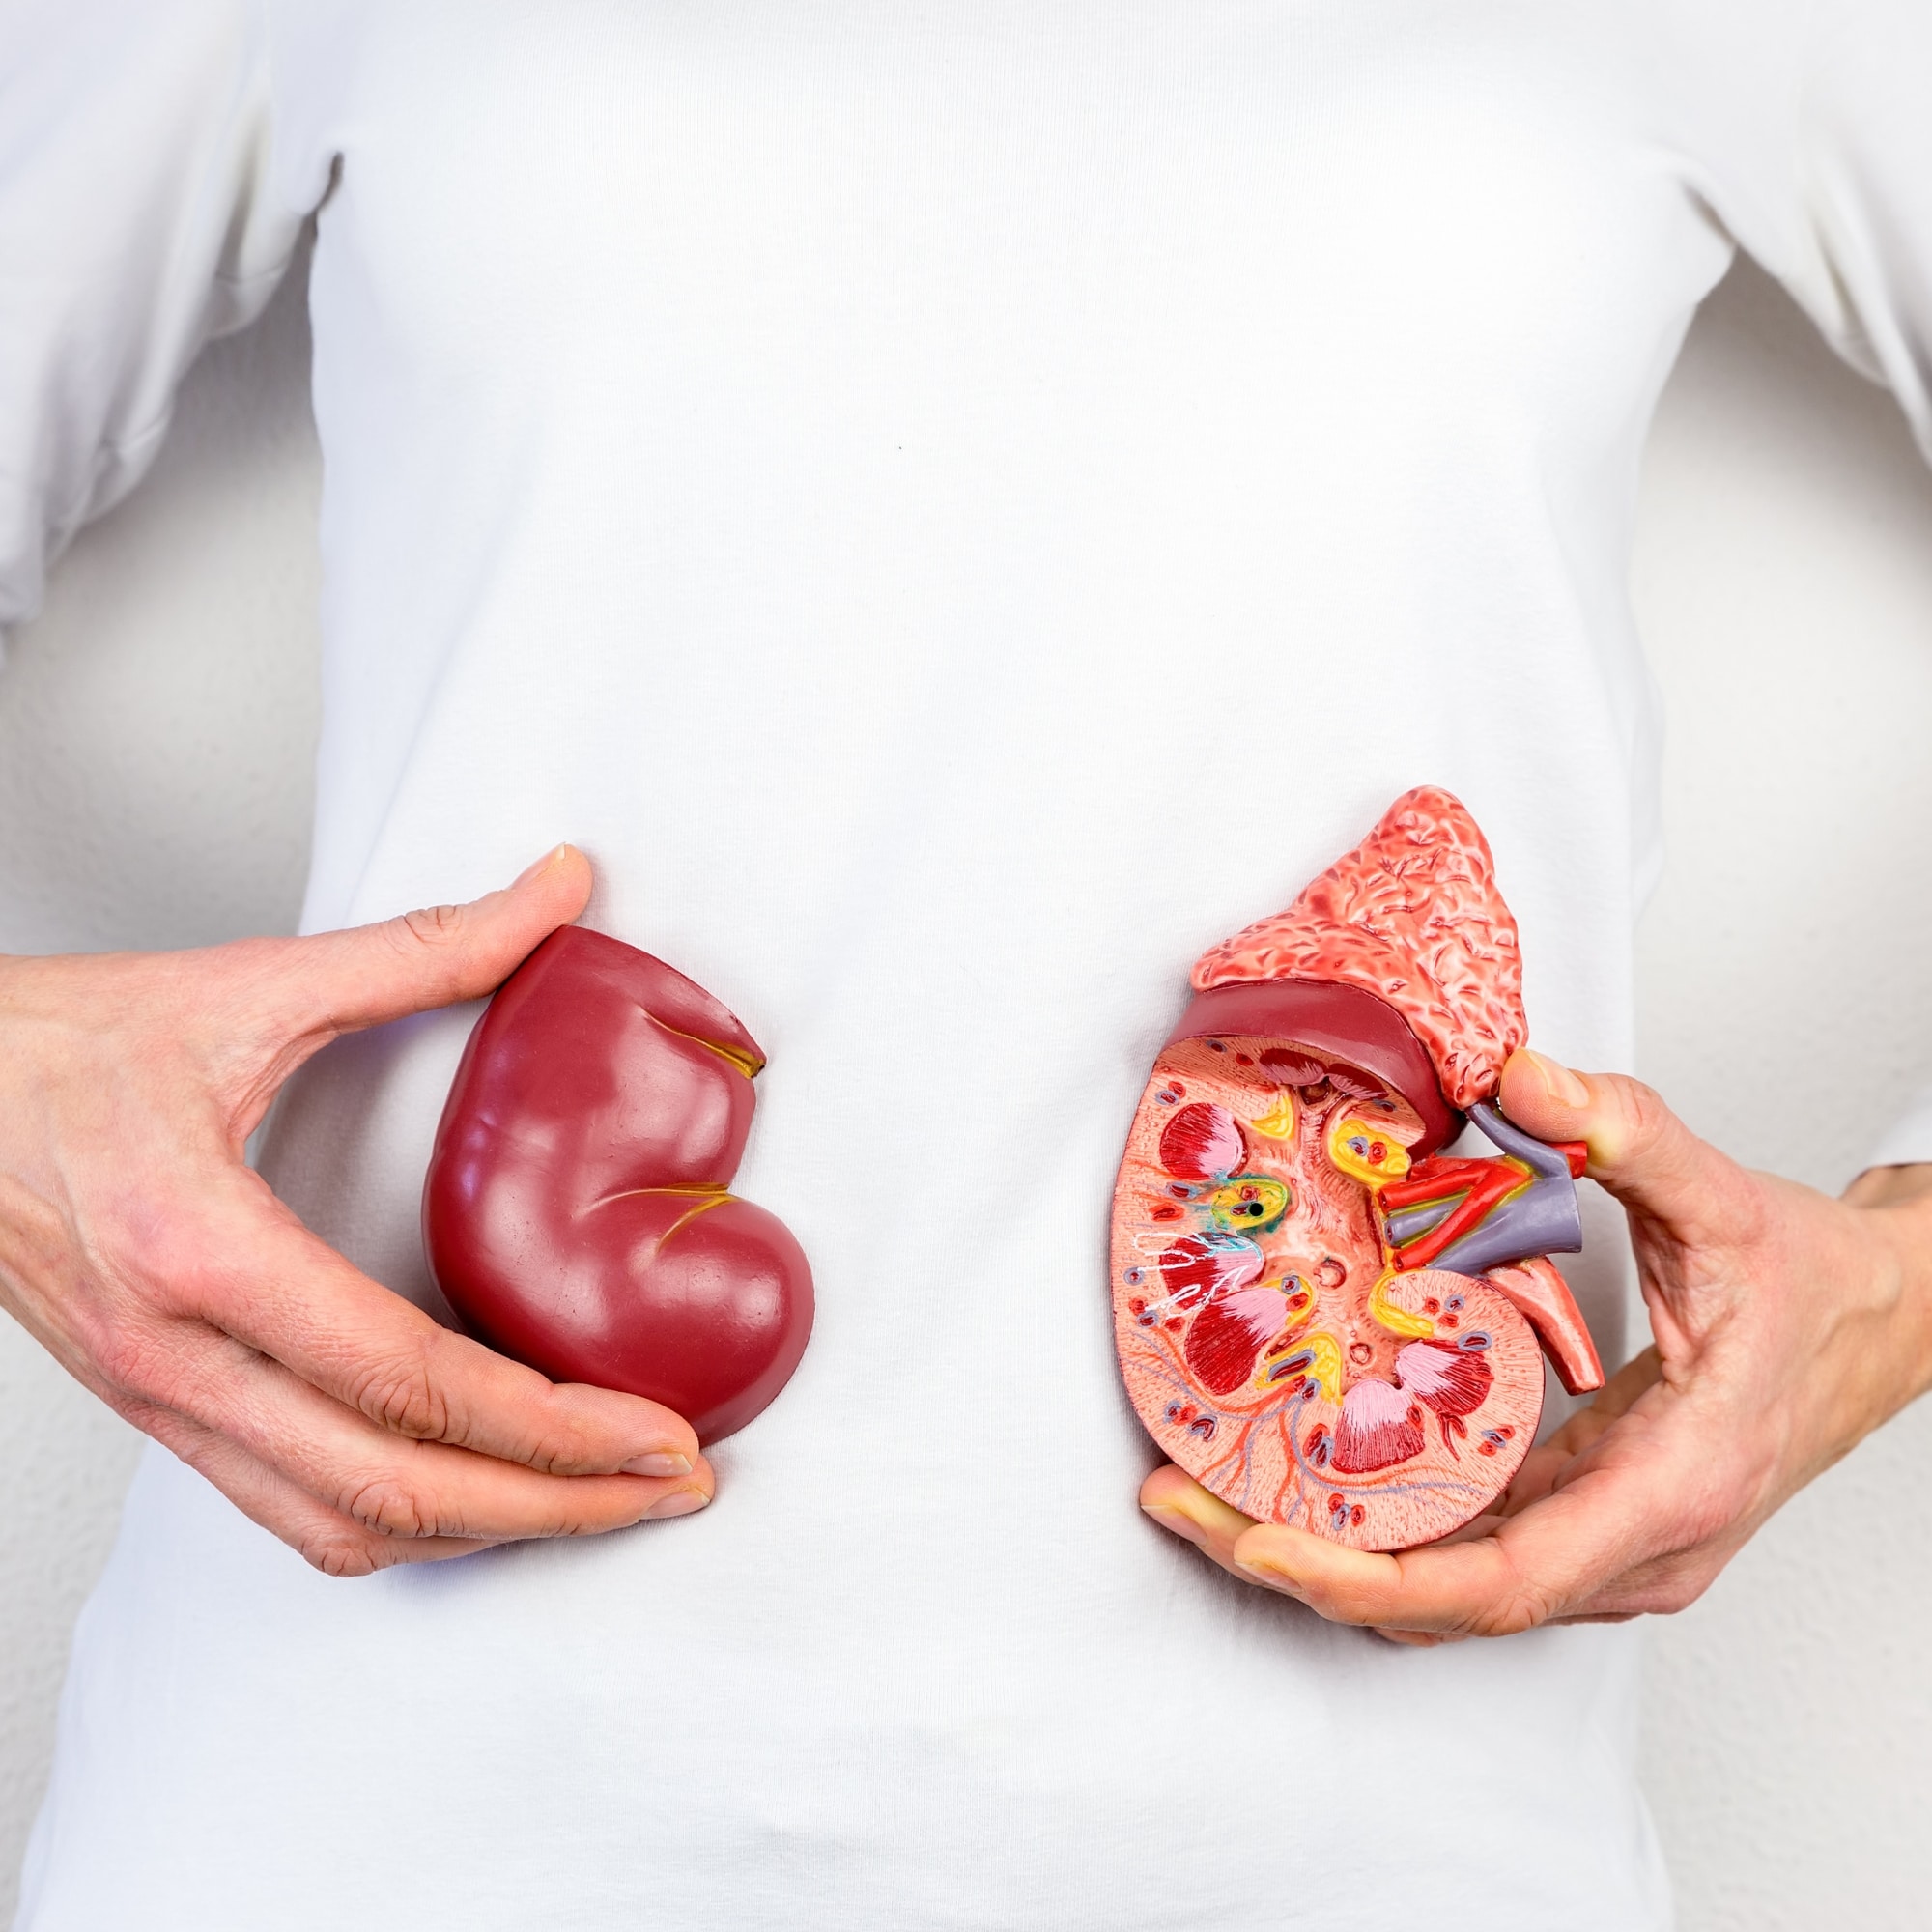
[
  {"x": 1267, "y": 1575},
  {"x": 680, "y": 1502},
  {"x": 660, "y": 1462},
  {"x": 1180, "y": 1525},
  {"x": 1563, "y": 1084},
  {"x": 542, "y": 864}
]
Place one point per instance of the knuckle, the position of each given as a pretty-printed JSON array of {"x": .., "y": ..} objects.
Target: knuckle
[
  {"x": 1665, "y": 1591},
  {"x": 1643, "y": 1120},
  {"x": 165, "y": 1425},
  {"x": 344, "y": 1551},
  {"x": 137, "y": 1413},
  {"x": 583, "y": 1522},
  {"x": 1523, "y": 1610},
  {"x": 1696, "y": 1514},
  {"x": 430, "y": 946},
  {"x": 144, "y": 1364},
  {"x": 153, "y": 1263},
  {"x": 387, "y": 1504},
  {"x": 1704, "y": 1515},
  {"x": 406, "y": 1399},
  {"x": 150, "y": 1253},
  {"x": 1677, "y": 1594},
  {"x": 560, "y": 1447},
  {"x": 127, "y": 1362},
  {"x": 1524, "y": 1602},
  {"x": 426, "y": 925}
]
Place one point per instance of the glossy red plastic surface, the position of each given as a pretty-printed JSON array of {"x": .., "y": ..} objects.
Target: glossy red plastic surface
[{"x": 576, "y": 1212}]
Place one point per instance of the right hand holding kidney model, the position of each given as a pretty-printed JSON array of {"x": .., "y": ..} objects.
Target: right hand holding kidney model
[
  {"x": 577, "y": 1214},
  {"x": 1319, "y": 1317}
]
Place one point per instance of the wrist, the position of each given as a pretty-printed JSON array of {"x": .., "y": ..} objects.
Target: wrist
[
  {"x": 1895, "y": 1204},
  {"x": 1891, "y": 1186}
]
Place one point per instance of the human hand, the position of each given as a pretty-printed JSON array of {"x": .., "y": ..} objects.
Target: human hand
[
  {"x": 163, "y": 1273},
  {"x": 1788, "y": 1327}
]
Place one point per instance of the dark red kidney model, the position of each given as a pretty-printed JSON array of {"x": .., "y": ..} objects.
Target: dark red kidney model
[
  {"x": 575, "y": 1214},
  {"x": 1319, "y": 1315}
]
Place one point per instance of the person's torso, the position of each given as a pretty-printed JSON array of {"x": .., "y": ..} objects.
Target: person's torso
[{"x": 955, "y": 509}]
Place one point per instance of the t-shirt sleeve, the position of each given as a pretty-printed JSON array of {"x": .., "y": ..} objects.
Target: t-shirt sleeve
[
  {"x": 135, "y": 222},
  {"x": 1809, "y": 125},
  {"x": 1807, "y": 129}
]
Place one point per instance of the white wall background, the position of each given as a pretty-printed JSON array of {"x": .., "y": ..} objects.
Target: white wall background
[{"x": 155, "y": 733}]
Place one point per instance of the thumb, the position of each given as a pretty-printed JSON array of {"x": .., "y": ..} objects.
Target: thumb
[
  {"x": 338, "y": 982},
  {"x": 1640, "y": 1151}
]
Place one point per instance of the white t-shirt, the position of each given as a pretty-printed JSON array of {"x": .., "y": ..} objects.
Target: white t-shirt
[{"x": 955, "y": 507}]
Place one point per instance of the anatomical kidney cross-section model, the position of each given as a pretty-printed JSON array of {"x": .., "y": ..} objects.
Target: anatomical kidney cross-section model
[
  {"x": 576, "y": 1213},
  {"x": 1319, "y": 1315}
]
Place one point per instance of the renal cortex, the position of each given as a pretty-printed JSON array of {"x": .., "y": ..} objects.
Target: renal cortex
[{"x": 1319, "y": 1315}]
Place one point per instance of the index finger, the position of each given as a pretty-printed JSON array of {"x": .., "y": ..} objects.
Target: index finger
[
  {"x": 267, "y": 1281},
  {"x": 1559, "y": 1555}
]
